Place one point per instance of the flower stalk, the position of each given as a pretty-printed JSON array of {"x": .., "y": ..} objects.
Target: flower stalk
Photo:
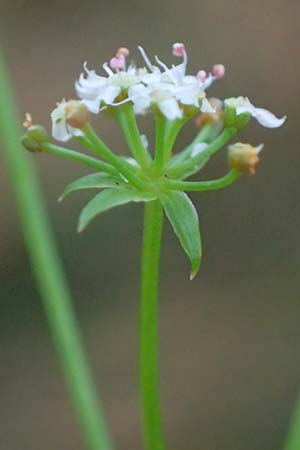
[{"x": 152, "y": 420}]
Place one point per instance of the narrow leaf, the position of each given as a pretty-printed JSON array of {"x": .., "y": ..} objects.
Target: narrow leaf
[
  {"x": 93, "y": 180},
  {"x": 184, "y": 220},
  {"x": 109, "y": 198}
]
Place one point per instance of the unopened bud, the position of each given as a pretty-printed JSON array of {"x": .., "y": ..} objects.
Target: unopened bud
[
  {"x": 178, "y": 49},
  {"x": 76, "y": 113},
  {"x": 218, "y": 70},
  {"x": 244, "y": 157},
  {"x": 201, "y": 75},
  {"x": 34, "y": 137},
  {"x": 122, "y": 51}
]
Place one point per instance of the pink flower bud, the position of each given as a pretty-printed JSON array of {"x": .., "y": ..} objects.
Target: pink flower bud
[
  {"x": 201, "y": 75},
  {"x": 218, "y": 70},
  {"x": 117, "y": 62},
  {"x": 178, "y": 49}
]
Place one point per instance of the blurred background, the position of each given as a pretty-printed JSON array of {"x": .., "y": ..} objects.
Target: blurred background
[{"x": 230, "y": 340}]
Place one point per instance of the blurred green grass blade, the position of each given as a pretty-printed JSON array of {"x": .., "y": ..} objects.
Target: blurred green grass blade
[
  {"x": 293, "y": 437},
  {"x": 49, "y": 273}
]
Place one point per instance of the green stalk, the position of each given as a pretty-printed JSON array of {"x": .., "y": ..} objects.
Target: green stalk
[
  {"x": 79, "y": 157},
  {"x": 207, "y": 134},
  {"x": 49, "y": 275},
  {"x": 127, "y": 120},
  {"x": 159, "y": 157},
  {"x": 127, "y": 170},
  {"x": 166, "y": 132},
  {"x": 293, "y": 438},
  {"x": 229, "y": 178},
  {"x": 152, "y": 421},
  {"x": 180, "y": 170}
]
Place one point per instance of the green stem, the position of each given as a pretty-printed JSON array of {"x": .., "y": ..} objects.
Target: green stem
[
  {"x": 49, "y": 275},
  {"x": 229, "y": 178},
  {"x": 79, "y": 157},
  {"x": 127, "y": 120},
  {"x": 152, "y": 421},
  {"x": 160, "y": 129},
  {"x": 166, "y": 132},
  {"x": 127, "y": 170},
  {"x": 293, "y": 438},
  {"x": 207, "y": 134},
  {"x": 180, "y": 170}
]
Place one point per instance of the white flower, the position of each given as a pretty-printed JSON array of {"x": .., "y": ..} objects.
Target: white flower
[
  {"x": 94, "y": 89},
  {"x": 61, "y": 130},
  {"x": 158, "y": 94},
  {"x": 168, "y": 87},
  {"x": 263, "y": 116}
]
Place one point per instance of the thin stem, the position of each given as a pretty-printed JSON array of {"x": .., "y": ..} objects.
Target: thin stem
[
  {"x": 152, "y": 421},
  {"x": 160, "y": 129},
  {"x": 293, "y": 438},
  {"x": 229, "y": 178},
  {"x": 166, "y": 132},
  {"x": 79, "y": 157},
  {"x": 126, "y": 118},
  {"x": 127, "y": 170},
  {"x": 49, "y": 275},
  {"x": 180, "y": 170},
  {"x": 207, "y": 134}
]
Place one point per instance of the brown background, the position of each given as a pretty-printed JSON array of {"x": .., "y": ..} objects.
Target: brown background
[{"x": 230, "y": 340}]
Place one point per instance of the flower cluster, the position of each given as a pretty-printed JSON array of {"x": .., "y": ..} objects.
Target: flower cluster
[{"x": 172, "y": 96}]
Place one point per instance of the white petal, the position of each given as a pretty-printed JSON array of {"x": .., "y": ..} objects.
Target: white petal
[
  {"x": 92, "y": 105},
  {"x": 60, "y": 131},
  {"x": 139, "y": 94},
  {"x": 75, "y": 131},
  {"x": 268, "y": 119},
  {"x": 59, "y": 124},
  {"x": 110, "y": 94},
  {"x": 188, "y": 95},
  {"x": 170, "y": 109}
]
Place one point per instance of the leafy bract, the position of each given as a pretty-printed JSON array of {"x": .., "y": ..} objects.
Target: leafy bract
[
  {"x": 184, "y": 220},
  {"x": 109, "y": 198},
  {"x": 94, "y": 180}
]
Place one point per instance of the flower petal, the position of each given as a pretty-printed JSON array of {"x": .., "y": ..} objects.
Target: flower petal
[
  {"x": 268, "y": 119},
  {"x": 170, "y": 109}
]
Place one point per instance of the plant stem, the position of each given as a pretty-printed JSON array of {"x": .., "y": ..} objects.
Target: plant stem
[
  {"x": 228, "y": 179},
  {"x": 79, "y": 157},
  {"x": 125, "y": 168},
  {"x": 181, "y": 170},
  {"x": 49, "y": 275},
  {"x": 127, "y": 120},
  {"x": 152, "y": 421},
  {"x": 293, "y": 438},
  {"x": 166, "y": 132},
  {"x": 207, "y": 134}
]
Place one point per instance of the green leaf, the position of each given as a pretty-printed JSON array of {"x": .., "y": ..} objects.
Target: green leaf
[
  {"x": 94, "y": 180},
  {"x": 184, "y": 220},
  {"x": 109, "y": 198}
]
